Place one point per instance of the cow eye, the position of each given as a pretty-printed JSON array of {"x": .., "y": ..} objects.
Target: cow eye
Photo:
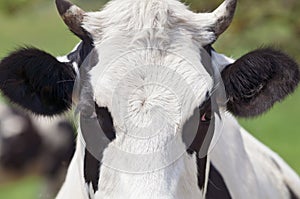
[
  {"x": 206, "y": 117},
  {"x": 205, "y": 111}
]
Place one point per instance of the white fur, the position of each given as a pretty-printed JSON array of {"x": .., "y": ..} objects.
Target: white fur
[{"x": 247, "y": 167}]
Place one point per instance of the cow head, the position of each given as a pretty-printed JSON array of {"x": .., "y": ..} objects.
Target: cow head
[{"x": 146, "y": 66}]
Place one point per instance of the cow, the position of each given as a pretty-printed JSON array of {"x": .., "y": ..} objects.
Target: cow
[
  {"x": 31, "y": 145},
  {"x": 156, "y": 103}
]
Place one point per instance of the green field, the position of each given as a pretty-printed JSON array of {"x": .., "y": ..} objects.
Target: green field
[{"x": 256, "y": 24}]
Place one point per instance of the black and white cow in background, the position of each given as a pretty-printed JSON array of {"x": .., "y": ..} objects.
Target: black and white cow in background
[
  {"x": 31, "y": 145},
  {"x": 145, "y": 69}
]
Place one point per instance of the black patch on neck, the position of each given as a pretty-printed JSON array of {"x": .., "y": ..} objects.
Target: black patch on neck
[
  {"x": 91, "y": 170},
  {"x": 216, "y": 188}
]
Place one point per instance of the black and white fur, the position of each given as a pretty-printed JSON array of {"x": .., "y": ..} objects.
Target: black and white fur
[
  {"x": 31, "y": 145},
  {"x": 165, "y": 33}
]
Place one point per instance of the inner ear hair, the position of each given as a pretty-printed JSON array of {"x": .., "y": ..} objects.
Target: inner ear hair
[
  {"x": 257, "y": 80},
  {"x": 37, "y": 81}
]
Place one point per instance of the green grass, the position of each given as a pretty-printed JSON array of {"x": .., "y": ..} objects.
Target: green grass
[
  {"x": 27, "y": 188},
  {"x": 41, "y": 27}
]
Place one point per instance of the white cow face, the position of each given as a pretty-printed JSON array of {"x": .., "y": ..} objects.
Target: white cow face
[
  {"x": 151, "y": 73},
  {"x": 144, "y": 67},
  {"x": 145, "y": 87}
]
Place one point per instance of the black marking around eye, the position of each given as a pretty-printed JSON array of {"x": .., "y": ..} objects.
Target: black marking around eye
[
  {"x": 106, "y": 122},
  {"x": 198, "y": 140},
  {"x": 92, "y": 164},
  {"x": 202, "y": 128}
]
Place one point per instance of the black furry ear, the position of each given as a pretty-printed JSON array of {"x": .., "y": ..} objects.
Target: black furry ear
[
  {"x": 259, "y": 79},
  {"x": 36, "y": 81}
]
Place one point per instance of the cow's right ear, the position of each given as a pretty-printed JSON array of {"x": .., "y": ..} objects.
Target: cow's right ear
[{"x": 37, "y": 81}]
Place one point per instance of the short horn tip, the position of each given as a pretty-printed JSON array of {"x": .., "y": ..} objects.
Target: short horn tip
[
  {"x": 63, "y": 6},
  {"x": 224, "y": 14}
]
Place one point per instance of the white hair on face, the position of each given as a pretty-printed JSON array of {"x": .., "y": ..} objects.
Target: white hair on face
[
  {"x": 124, "y": 30},
  {"x": 151, "y": 78},
  {"x": 154, "y": 14}
]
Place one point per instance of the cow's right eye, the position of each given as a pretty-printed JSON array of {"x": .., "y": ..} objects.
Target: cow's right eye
[{"x": 205, "y": 111}]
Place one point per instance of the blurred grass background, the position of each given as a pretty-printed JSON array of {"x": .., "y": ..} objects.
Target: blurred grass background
[{"x": 257, "y": 23}]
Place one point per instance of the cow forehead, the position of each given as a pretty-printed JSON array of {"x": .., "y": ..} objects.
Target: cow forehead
[
  {"x": 148, "y": 57},
  {"x": 126, "y": 17},
  {"x": 174, "y": 77}
]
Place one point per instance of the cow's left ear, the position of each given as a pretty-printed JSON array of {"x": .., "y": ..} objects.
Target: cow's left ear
[
  {"x": 37, "y": 81},
  {"x": 257, "y": 80}
]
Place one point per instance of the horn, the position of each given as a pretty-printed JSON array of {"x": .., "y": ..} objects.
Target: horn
[
  {"x": 223, "y": 16},
  {"x": 72, "y": 16}
]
